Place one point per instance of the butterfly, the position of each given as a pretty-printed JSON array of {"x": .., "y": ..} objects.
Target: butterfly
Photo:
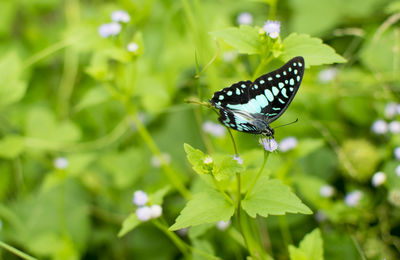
[{"x": 251, "y": 106}]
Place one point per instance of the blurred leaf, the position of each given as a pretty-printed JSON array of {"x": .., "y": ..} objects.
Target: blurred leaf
[
  {"x": 245, "y": 39},
  {"x": 12, "y": 87},
  {"x": 158, "y": 196},
  {"x": 356, "y": 109},
  {"x": 312, "y": 49},
  {"x": 129, "y": 224},
  {"x": 196, "y": 158},
  {"x": 93, "y": 97},
  {"x": 11, "y": 146},
  {"x": 271, "y": 197},
  {"x": 203, "y": 246},
  {"x": 310, "y": 248},
  {"x": 205, "y": 207}
]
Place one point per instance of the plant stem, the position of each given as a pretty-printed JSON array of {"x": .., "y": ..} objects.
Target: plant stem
[
  {"x": 181, "y": 245},
  {"x": 284, "y": 227},
  {"x": 266, "y": 154},
  {"x": 16, "y": 252}
]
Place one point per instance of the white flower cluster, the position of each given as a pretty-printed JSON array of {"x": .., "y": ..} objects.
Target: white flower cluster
[
  {"x": 327, "y": 75},
  {"x": 378, "y": 179},
  {"x": 380, "y": 126},
  {"x": 287, "y": 144},
  {"x": 272, "y": 28},
  {"x": 353, "y": 198},
  {"x": 327, "y": 191},
  {"x": 114, "y": 28},
  {"x": 143, "y": 212},
  {"x": 61, "y": 163},
  {"x": 223, "y": 225},
  {"x": 216, "y": 130},
  {"x": 245, "y": 18}
]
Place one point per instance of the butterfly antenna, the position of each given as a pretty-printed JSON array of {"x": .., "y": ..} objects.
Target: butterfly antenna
[{"x": 295, "y": 121}]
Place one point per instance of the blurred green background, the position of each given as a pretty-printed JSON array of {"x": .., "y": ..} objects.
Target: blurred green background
[{"x": 84, "y": 120}]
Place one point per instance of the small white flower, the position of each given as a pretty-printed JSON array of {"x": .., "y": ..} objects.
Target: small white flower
[
  {"x": 140, "y": 198},
  {"x": 245, "y": 18},
  {"x": 109, "y": 29},
  {"x": 327, "y": 75},
  {"x": 394, "y": 127},
  {"x": 391, "y": 109},
  {"x": 397, "y": 153},
  {"x": 398, "y": 171},
  {"x": 272, "y": 28},
  {"x": 132, "y": 47},
  {"x": 378, "y": 179},
  {"x": 353, "y": 198},
  {"x": 143, "y": 213},
  {"x": 238, "y": 159},
  {"x": 156, "y": 211},
  {"x": 379, "y": 127},
  {"x": 223, "y": 225},
  {"x": 214, "y": 129},
  {"x": 287, "y": 144},
  {"x": 326, "y": 191},
  {"x": 157, "y": 162},
  {"x": 120, "y": 16},
  {"x": 208, "y": 160},
  {"x": 61, "y": 163},
  {"x": 320, "y": 216},
  {"x": 229, "y": 56},
  {"x": 269, "y": 144}
]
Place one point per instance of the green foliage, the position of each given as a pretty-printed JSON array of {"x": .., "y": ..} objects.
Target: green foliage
[
  {"x": 312, "y": 49},
  {"x": 245, "y": 39},
  {"x": 310, "y": 248},
  {"x": 271, "y": 197},
  {"x": 205, "y": 207}
]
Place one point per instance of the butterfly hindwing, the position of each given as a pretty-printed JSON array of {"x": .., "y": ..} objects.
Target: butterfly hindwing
[{"x": 236, "y": 121}]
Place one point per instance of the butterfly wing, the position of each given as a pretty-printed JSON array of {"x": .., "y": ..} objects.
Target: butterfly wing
[
  {"x": 237, "y": 120},
  {"x": 275, "y": 91}
]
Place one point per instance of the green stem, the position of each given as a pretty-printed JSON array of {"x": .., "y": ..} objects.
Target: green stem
[
  {"x": 284, "y": 227},
  {"x": 181, "y": 245},
  {"x": 167, "y": 170},
  {"x": 16, "y": 252},
  {"x": 45, "y": 52},
  {"x": 221, "y": 190},
  {"x": 233, "y": 141},
  {"x": 266, "y": 154}
]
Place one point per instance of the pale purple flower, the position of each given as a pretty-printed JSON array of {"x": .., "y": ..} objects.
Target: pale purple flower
[
  {"x": 353, "y": 198},
  {"x": 143, "y": 213},
  {"x": 217, "y": 130},
  {"x": 394, "y": 127},
  {"x": 378, "y": 179},
  {"x": 269, "y": 144},
  {"x": 398, "y": 170},
  {"x": 109, "y": 29},
  {"x": 326, "y": 191},
  {"x": 245, "y": 18},
  {"x": 156, "y": 161},
  {"x": 397, "y": 153},
  {"x": 223, "y": 225},
  {"x": 272, "y": 28},
  {"x": 327, "y": 75},
  {"x": 238, "y": 159},
  {"x": 140, "y": 198},
  {"x": 120, "y": 16},
  {"x": 61, "y": 163},
  {"x": 132, "y": 47},
  {"x": 287, "y": 144},
  {"x": 320, "y": 216},
  {"x": 391, "y": 109},
  {"x": 156, "y": 211},
  {"x": 379, "y": 127}
]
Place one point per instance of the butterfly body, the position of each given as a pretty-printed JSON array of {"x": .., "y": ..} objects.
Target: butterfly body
[{"x": 251, "y": 106}]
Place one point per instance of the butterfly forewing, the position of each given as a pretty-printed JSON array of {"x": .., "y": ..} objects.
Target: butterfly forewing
[
  {"x": 244, "y": 104},
  {"x": 275, "y": 91}
]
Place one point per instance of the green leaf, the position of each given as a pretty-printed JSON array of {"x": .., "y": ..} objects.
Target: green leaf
[
  {"x": 205, "y": 207},
  {"x": 196, "y": 158},
  {"x": 310, "y": 248},
  {"x": 312, "y": 49},
  {"x": 12, "y": 87},
  {"x": 93, "y": 97},
  {"x": 245, "y": 39},
  {"x": 205, "y": 250},
  {"x": 11, "y": 146},
  {"x": 225, "y": 166},
  {"x": 158, "y": 196},
  {"x": 129, "y": 224},
  {"x": 271, "y": 197}
]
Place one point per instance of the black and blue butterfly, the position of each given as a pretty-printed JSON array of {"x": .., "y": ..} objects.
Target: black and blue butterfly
[{"x": 251, "y": 106}]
